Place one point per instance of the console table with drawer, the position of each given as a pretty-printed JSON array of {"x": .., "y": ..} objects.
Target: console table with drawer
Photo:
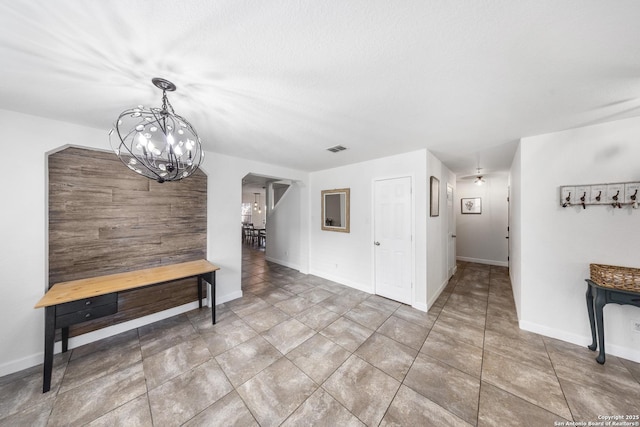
[{"x": 77, "y": 301}]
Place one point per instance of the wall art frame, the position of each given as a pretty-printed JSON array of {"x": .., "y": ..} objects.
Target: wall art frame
[
  {"x": 434, "y": 200},
  {"x": 471, "y": 205}
]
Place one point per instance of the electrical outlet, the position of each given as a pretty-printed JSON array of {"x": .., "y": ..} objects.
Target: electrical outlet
[{"x": 635, "y": 326}]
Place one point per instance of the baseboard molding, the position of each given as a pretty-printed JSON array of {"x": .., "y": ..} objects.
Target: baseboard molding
[
  {"x": 421, "y": 306},
  {"x": 581, "y": 340},
  {"x": 283, "y": 262},
  {"x": 437, "y": 294},
  {"x": 484, "y": 261},
  {"x": 341, "y": 280},
  {"x": 74, "y": 342}
]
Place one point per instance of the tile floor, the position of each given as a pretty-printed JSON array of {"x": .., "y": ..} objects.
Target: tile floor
[{"x": 301, "y": 350}]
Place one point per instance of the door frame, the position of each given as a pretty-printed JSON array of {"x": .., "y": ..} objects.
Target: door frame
[{"x": 413, "y": 230}]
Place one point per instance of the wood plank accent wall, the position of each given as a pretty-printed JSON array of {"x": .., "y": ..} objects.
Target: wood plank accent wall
[{"x": 105, "y": 219}]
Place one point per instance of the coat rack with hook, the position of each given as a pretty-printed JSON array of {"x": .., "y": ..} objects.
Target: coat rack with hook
[{"x": 616, "y": 195}]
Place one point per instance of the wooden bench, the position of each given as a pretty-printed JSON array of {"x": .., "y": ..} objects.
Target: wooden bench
[{"x": 77, "y": 301}]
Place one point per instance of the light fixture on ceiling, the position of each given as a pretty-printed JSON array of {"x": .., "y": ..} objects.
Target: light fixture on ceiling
[
  {"x": 156, "y": 142},
  {"x": 255, "y": 201},
  {"x": 479, "y": 179}
]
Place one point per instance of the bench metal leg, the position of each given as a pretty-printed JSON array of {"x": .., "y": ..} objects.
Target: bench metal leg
[
  {"x": 49, "y": 337},
  {"x": 601, "y": 300},
  {"x": 592, "y": 321}
]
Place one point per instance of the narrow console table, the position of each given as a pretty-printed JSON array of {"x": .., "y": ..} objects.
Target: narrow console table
[
  {"x": 77, "y": 301},
  {"x": 604, "y": 296}
]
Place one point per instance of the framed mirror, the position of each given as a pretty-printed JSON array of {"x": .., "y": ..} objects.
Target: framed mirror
[{"x": 335, "y": 210}]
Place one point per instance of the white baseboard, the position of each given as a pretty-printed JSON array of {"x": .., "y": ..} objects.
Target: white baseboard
[
  {"x": 74, "y": 342},
  {"x": 581, "y": 340},
  {"x": 437, "y": 294},
  {"x": 283, "y": 262},
  {"x": 421, "y": 306},
  {"x": 484, "y": 261},
  {"x": 341, "y": 280}
]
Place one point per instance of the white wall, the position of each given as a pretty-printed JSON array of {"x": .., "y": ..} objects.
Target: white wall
[
  {"x": 223, "y": 210},
  {"x": 559, "y": 243},
  {"x": 23, "y": 227},
  {"x": 515, "y": 229},
  {"x": 438, "y": 231},
  {"x": 481, "y": 238},
  {"x": 347, "y": 258},
  {"x": 287, "y": 222}
]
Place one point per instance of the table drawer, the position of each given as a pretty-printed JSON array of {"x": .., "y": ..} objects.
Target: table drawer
[
  {"x": 84, "y": 304},
  {"x": 85, "y": 315}
]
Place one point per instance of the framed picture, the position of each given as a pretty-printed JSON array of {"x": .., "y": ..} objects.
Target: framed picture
[
  {"x": 435, "y": 197},
  {"x": 471, "y": 205}
]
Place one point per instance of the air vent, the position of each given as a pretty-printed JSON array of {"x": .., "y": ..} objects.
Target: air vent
[{"x": 336, "y": 149}]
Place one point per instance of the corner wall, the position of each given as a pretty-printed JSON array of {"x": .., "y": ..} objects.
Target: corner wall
[
  {"x": 438, "y": 234},
  {"x": 559, "y": 243}
]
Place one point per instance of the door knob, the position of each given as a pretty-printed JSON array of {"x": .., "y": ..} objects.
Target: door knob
[
  {"x": 453, "y": 235},
  {"x": 377, "y": 243}
]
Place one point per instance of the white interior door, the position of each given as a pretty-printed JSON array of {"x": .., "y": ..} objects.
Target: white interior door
[
  {"x": 451, "y": 238},
  {"x": 392, "y": 238}
]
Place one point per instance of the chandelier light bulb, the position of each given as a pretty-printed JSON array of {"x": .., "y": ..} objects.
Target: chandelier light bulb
[{"x": 146, "y": 138}]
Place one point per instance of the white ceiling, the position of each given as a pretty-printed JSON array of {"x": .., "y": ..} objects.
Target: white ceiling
[{"x": 281, "y": 80}]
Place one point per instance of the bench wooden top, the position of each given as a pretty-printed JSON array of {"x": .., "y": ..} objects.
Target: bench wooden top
[{"x": 94, "y": 286}]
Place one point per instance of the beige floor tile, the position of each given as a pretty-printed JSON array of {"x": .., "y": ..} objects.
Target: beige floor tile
[
  {"x": 412, "y": 409},
  {"x": 588, "y": 403},
  {"x": 500, "y": 408},
  {"x": 404, "y": 332},
  {"x": 368, "y": 316},
  {"x": 317, "y": 318},
  {"x": 276, "y": 392},
  {"x": 81, "y": 405},
  {"x": 288, "y": 335},
  {"x": 132, "y": 414},
  {"x": 228, "y": 411},
  {"x": 458, "y": 354},
  {"x": 244, "y": 361},
  {"x": 388, "y": 355},
  {"x": 318, "y": 357},
  {"x": 454, "y": 390},
  {"x": 180, "y": 399},
  {"x": 322, "y": 410},
  {"x": 266, "y": 319},
  {"x": 363, "y": 389},
  {"x": 533, "y": 385},
  {"x": 347, "y": 333},
  {"x": 227, "y": 335},
  {"x": 174, "y": 361}
]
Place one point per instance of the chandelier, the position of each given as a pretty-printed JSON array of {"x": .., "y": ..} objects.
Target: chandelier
[{"x": 156, "y": 142}]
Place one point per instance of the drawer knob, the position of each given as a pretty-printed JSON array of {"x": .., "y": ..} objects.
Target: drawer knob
[
  {"x": 87, "y": 303},
  {"x": 86, "y": 316}
]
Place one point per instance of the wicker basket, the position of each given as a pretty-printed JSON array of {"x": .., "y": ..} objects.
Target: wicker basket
[{"x": 611, "y": 276}]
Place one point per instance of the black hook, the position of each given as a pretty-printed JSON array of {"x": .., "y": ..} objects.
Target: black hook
[
  {"x": 616, "y": 196},
  {"x": 598, "y": 196},
  {"x": 583, "y": 199},
  {"x": 567, "y": 200},
  {"x": 634, "y": 195}
]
